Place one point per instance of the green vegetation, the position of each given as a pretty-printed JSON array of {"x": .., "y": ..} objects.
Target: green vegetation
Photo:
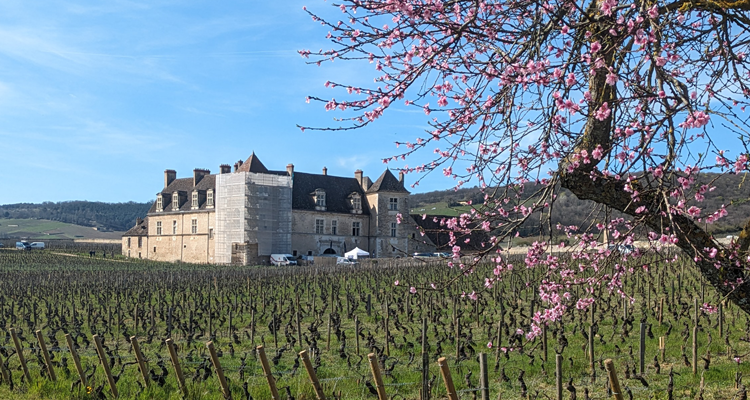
[
  {"x": 241, "y": 307},
  {"x": 106, "y": 216},
  {"x": 44, "y": 229},
  {"x": 568, "y": 210}
]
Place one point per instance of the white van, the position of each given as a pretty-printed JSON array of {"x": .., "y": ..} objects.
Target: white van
[
  {"x": 37, "y": 245},
  {"x": 283, "y": 259}
]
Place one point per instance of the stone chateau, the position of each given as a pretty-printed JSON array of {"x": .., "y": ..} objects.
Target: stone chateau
[{"x": 243, "y": 215}]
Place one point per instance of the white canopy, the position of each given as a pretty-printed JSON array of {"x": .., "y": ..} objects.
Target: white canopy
[{"x": 356, "y": 253}]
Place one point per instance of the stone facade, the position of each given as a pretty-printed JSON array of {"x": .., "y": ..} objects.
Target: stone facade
[{"x": 329, "y": 215}]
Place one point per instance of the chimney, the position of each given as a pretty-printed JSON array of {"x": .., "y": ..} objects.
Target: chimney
[
  {"x": 401, "y": 177},
  {"x": 290, "y": 169},
  {"x": 325, "y": 171},
  {"x": 169, "y": 176},
  {"x": 358, "y": 177},
  {"x": 225, "y": 168},
  {"x": 198, "y": 174}
]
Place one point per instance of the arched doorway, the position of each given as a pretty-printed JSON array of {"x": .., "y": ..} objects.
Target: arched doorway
[{"x": 329, "y": 251}]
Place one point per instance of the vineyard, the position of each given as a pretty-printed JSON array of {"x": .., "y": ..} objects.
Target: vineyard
[{"x": 106, "y": 317}]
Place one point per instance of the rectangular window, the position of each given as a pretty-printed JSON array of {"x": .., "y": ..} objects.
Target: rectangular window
[
  {"x": 210, "y": 233},
  {"x": 140, "y": 241},
  {"x": 334, "y": 227},
  {"x": 357, "y": 203},
  {"x": 159, "y": 204},
  {"x": 195, "y": 199},
  {"x": 194, "y": 226},
  {"x": 128, "y": 242},
  {"x": 393, "y": 229},
  {"x": 319, "y": 226},
  {"x": 309, "y": 252},
  {"x": 320, "y": 199},
  {"x": 158, "y": 227},
  {"x": 176, "y": 201},
  {"x": 355, "y": 228},
  {"x": 154, "y": 249},
  {"x": 210, "y": 198},
  {"x": 393, "y": 204},
  {"x": 174, "y": 227}
]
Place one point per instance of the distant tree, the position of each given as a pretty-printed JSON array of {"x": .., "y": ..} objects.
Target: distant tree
[{"x": 621, "y": 103}]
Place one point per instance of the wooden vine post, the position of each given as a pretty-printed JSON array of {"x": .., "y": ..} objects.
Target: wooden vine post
[
  {"x": 76, "y": 360},
  {"x": 142, "y": 366},
  {"x": 45, "y": 354},
  {"x": 105, "y": 365},
  {"x": 425, "y": 363},
  {"x": 484, "y": 381},
  {"x": 375, "y": 368},
  {"x": 19, "y": 351},
  {"x": 219, "y": 371},
  {"x": 313, "y": 376},
  {"x": 613, "y": 382},
  {"x": 267, "y": 372},
  {"x": 445, "y": 372},
  {"x": 642, "y": 350},
  {"x": 176, "y": 365},
  {"x": 558, "y": 376}
]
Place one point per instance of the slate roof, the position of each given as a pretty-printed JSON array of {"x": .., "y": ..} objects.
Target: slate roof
[
  {"x": 387, "y": 183},
  {"x": 338, "y": 189},
  {"x": 440, "y": 235},
  {"x": 185, "y": 185},
  {"x": 253, "y": 164},
  {"x": 139, "y": 229}
]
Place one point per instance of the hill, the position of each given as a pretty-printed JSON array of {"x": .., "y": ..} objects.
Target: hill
[
  {"x": 730, "y": 190},
  {"x": 103, "y": 216},
  {"x": 41, "y": 229}
]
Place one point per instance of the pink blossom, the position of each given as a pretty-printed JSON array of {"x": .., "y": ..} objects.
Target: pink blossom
[
  {"x": 395, "y": 283},
  {"x": 603, "y": 112},
  {"x": 489, "y": 345},
  {"x": 595, "y": 47},
  {"x": 412, "y": 290}
]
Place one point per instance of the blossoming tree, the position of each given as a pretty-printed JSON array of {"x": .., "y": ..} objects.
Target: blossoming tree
[{"x": 620, "y": 103}]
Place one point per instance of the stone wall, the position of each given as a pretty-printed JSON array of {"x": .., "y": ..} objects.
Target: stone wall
[{"x": 305, "y": 241}]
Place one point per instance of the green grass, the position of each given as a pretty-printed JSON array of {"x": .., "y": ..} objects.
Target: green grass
[{"x": 45, "y": 229}]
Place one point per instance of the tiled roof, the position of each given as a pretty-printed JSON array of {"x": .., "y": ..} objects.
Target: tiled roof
[
  {"x": 387, "y": 183},
  {"x": 253, "y": 164},
  {"x": 337, "y": 189},
  {"x": 139, "y": 229}
]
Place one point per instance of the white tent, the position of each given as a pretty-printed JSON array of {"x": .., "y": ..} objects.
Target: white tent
[{"x": 356, "y": 253}]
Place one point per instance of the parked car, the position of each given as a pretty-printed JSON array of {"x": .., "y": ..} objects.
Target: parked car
[
  {"x": 283, "y": 259},
  {"x": 424, "y": 255},
  {"x": 345, "y": 261},
  {"x": 23, "y": 246},
  {"x": 622, "y": 248},
  {"x": 37, "y": 245}
]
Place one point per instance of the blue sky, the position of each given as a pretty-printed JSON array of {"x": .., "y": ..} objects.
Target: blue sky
[{"x": 97, "y": 99}]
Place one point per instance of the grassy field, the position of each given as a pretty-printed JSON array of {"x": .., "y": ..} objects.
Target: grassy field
[
  {"x": 45, "y": 229},
  {"x": 239, "y": 308}
]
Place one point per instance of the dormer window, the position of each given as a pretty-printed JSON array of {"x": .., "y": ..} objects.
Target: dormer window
[
  {"x": 320, "y": 199},
  {"x": 356, "y": 203},
  {"x": 195, "y": 200},
  {"x": 159, "y": 203},
  {"x": 210, "y": 198},
  {"x": 175, "y": 201}
]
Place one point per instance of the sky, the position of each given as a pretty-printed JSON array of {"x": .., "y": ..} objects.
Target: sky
[{"x": 97, "y": 99}]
